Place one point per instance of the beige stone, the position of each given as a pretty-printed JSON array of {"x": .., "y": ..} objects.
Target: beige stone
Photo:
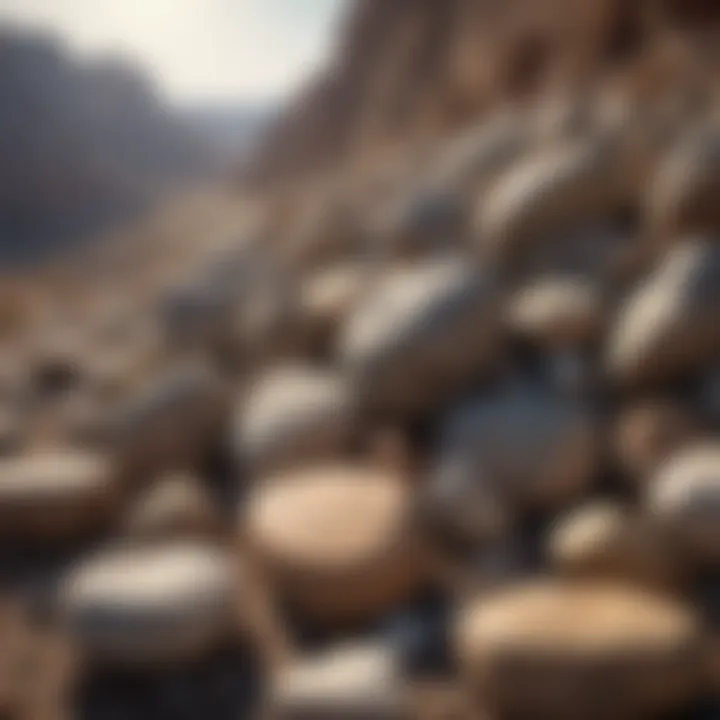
[
  {"x": 153, "y": 605},
  {"x": 341, "y": 542},
  {"x": 550, "y": 649}
]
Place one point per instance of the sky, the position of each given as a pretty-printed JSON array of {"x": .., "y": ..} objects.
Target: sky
[{"x": 199, "y": 51}]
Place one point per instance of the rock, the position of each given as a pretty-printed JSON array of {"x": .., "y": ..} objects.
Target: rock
[
  {"x": 682, "y": 196},
  {"x": 175, "y": 506},
  {"x": 349, "y": 682},
  {"x": 328, "y": 296},
  {"x": 605, "y": 540},
  {"x": 56, "y": 494},
  {"x": 341, "y": 542},
  {"x": 648, "y": 432},
  {"x": 145, "y": 606},
  {"x": 558, "y": 313},
  {"x": 464, "y": 505},
  {"x": 546, "y": 193},
  {"x": 684, "y": 499},
  {"x": 668, "y": 326},
  {"x": 550, "y": 649},
  {"x": 422, "y": 222},
  {"x": 170, "y": 422},
  {"x": 294, "y": 414},
  {"x": 199, "y": 316},
  {"x": 533, "y": 449},
  {"x": 421, "y": 335},
  {"x": 470, "y": 161}
]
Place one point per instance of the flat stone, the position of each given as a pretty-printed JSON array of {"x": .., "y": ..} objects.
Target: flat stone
[
  {"x": 550, "y": 649},
  {"x": 340, "y": 541},
  {"x": 57, "y": 494},
  {"x": 140, "y": 606},
  {"x": 350, "y": 682}
]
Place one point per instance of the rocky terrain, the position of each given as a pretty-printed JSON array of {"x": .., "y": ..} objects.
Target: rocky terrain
[{"x": 435, "y": 436}]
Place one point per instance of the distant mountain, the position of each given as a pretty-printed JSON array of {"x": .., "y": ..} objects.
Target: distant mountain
[
  {"x": 83, "y": 144},
  {"x": 232, "y": 130}
]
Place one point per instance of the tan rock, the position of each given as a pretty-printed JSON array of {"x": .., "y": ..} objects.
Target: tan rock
[
  {"x": 558, "y": 313},
  {"x": 551, "y": 649},
  {"x": 669, "y": 326},
  {"x": 340, "y": 541},
  {"x": 343, "y": 683},
  {"x": 548, "y": 192},
  {"x": 646, "y": 433},
  {"x": 605, "y": 540},
  {"x": 151, "y": 605}
]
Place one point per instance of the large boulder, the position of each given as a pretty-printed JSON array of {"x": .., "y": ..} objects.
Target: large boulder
[
  {"x": 144, "y": 606},
  {"x": 535, "y": 450},
  {"x": 340, "y": 542},
  {"x": 558, "y": 650},
  {"x": 421, "y": 335},
  {"x": 294, "y": 414},
  {"x": 668, "y": 327}
]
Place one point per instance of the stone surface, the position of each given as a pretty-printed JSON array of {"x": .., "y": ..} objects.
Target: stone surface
[
  {"x": 557, "y": 650},
  {"x": 56, "y": 494},
  {"x": 350, "y": 682},
  {"x": 423, "y": 333},
  {"x": 175, "y": 506},
  {"x": 342, "y": 542},
  {"x": 293, "y": 414},
  {"x": 533, "y": 448},
  {"x": 684, "y": 498},
  {"x": 668, "y": 326},
  {"x": 139, "y": 606}
]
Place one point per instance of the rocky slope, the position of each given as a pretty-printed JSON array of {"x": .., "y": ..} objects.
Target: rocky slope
[{"x": 412, "y": 69}]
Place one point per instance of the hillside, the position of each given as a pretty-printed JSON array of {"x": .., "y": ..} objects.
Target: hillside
[
  {"x": 412, "y": 69},
  {"x": 83, "y": 144}
]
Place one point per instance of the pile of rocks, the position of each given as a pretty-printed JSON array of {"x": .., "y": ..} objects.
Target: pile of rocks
[{"x": 450, "y": 453}]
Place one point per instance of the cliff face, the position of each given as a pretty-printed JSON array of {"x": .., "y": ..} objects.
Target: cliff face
[{"x": 410, "y": 69}]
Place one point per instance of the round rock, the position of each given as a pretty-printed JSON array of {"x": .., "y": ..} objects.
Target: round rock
[
  {"x": 340, "y": 541},
  {"x": 557, "y": 650},
  {"x": 421, "y": 335},
  {"x": 669, "y": 327},
  {"x": 534, "y": 449},
  {"x": 293, "y": 414},
  {"x": 150, "y": 605}
]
